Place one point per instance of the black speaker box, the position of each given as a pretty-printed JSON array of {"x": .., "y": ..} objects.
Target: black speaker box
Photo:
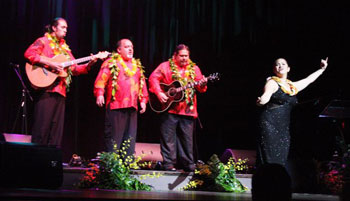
[{"x": 27, "y": 165}]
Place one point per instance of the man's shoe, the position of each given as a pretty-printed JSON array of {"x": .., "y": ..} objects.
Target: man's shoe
[{"x": 169, "y": 169}]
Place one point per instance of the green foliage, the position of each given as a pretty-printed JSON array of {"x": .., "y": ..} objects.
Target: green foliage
[
  {"x": 114, "y": 172},
  {"x": 215, "y": 176}
]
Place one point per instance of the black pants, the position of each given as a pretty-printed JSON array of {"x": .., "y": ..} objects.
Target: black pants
[
  {"x": 48, "y": 119},
  {"x": 177, "y": 146},
  {"x": 121, "y": 125}
]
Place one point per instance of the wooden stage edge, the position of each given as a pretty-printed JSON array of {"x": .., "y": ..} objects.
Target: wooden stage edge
[
  {"x": 166, "y": 188},
  {"x": 168, "y": 181},
  {"x": 65, "y": 195}
]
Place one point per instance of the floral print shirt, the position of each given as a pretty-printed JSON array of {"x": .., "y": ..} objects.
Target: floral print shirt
[
  {"x": 43, "y": 46},
  {"x": 127, "y": 93},
  {"x": 163, "y": 74}
]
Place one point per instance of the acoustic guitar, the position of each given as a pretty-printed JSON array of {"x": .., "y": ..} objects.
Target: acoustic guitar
[
  {"x": 41, "y": 77},
  {"x": 175, "y": 93}
]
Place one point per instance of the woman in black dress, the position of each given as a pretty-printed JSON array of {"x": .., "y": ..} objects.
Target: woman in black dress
[{"x": 278, "y": 99}]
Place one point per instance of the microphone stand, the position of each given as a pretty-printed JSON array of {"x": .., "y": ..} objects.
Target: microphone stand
[{"x": 25, "y": 93}]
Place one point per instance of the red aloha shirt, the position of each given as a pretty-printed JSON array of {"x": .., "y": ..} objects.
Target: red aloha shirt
[
  {"x": 163, "y": 74},
  {"x": 41, "y": 47},
  {"x": 128, "y": 87}
]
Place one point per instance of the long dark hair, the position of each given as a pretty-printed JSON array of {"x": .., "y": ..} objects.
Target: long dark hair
[{"x": 54, "y": 23}]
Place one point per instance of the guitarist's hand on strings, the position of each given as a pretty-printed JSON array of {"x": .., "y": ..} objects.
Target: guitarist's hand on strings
[
  {"x": 58, "y": 67},
  {"x": 100, "y": 101},
  {"x": 163, "y": 98}
]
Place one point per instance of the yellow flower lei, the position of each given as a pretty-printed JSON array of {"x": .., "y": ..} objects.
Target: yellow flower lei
[
  {"x": 60, "y": 47},
  {"x": 127, "y": 70},
  {"x": 114, "y": 70},
  {"x": 292, "y": 89},
  {"x": 189, "y": 77}
]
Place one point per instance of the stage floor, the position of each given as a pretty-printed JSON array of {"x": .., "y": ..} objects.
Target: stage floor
[
  {"x": 63, "y": 195},
  {"x": 162, "y": 190}
]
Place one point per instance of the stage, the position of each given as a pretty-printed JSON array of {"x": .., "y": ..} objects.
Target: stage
[
  {"x": 63, "y": 194},
  {"x": 166, "y": 187}
]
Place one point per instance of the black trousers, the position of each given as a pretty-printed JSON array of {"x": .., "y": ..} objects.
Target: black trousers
[
  {"x": 48, "y": 119},
  {"x": 177, "y": 140},
  {"x": 120, "y": 126}
]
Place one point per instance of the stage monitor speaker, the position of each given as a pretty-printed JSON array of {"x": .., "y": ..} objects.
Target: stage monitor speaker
[
  {"x": 148, "y": 151},
  {"x": 13, "y": 137},
  {"x": 27, "y": 165},
  {"x": 239, "y": 154}
]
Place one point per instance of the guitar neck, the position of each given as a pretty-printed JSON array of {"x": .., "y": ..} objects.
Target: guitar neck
[
  {"x": 76, "y": 61},
  {"x": 189, "y": 85}
]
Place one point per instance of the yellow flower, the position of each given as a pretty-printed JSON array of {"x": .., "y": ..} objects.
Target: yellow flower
[{"x": 292, "y": 89}]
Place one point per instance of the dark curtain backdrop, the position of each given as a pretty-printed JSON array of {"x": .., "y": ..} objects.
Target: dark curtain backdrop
[{"x": 238, "y": 38}]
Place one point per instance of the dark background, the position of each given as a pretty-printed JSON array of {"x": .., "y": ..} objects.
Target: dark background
[{"x": 238, "y": 38}]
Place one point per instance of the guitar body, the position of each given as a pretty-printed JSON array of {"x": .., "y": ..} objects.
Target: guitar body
[
  {"x": 173, "y": 96},
  {"x": 41, "y": 77},
  {"x": 175, "y": 93}
]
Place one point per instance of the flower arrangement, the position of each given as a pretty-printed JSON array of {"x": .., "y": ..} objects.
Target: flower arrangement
[
  {"x": 113, "y": 171},
  {"x": 333, "y": 181},
  {"x": 333, "y": 174},
  {"x": 240, "y": 165},
  {"x": 216, "y": 176}
]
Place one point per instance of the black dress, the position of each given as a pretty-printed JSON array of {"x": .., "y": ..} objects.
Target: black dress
[{"x": 274, "y": 139}]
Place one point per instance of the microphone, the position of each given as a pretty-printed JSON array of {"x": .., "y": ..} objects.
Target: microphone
[{"x": 14, "y": 65}]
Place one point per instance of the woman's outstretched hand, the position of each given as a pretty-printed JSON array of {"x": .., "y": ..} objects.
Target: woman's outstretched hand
[{"x": 324, "y": 63}]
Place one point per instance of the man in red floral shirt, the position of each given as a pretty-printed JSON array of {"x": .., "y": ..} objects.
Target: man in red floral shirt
[
  {"x": 122, "y": 79},
  {"x": 178, "y": 146},
  {"x": 49, "y": 108}
]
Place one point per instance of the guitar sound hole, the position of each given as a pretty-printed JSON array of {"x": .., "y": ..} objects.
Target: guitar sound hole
[{"x": 172, "y": 92}]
